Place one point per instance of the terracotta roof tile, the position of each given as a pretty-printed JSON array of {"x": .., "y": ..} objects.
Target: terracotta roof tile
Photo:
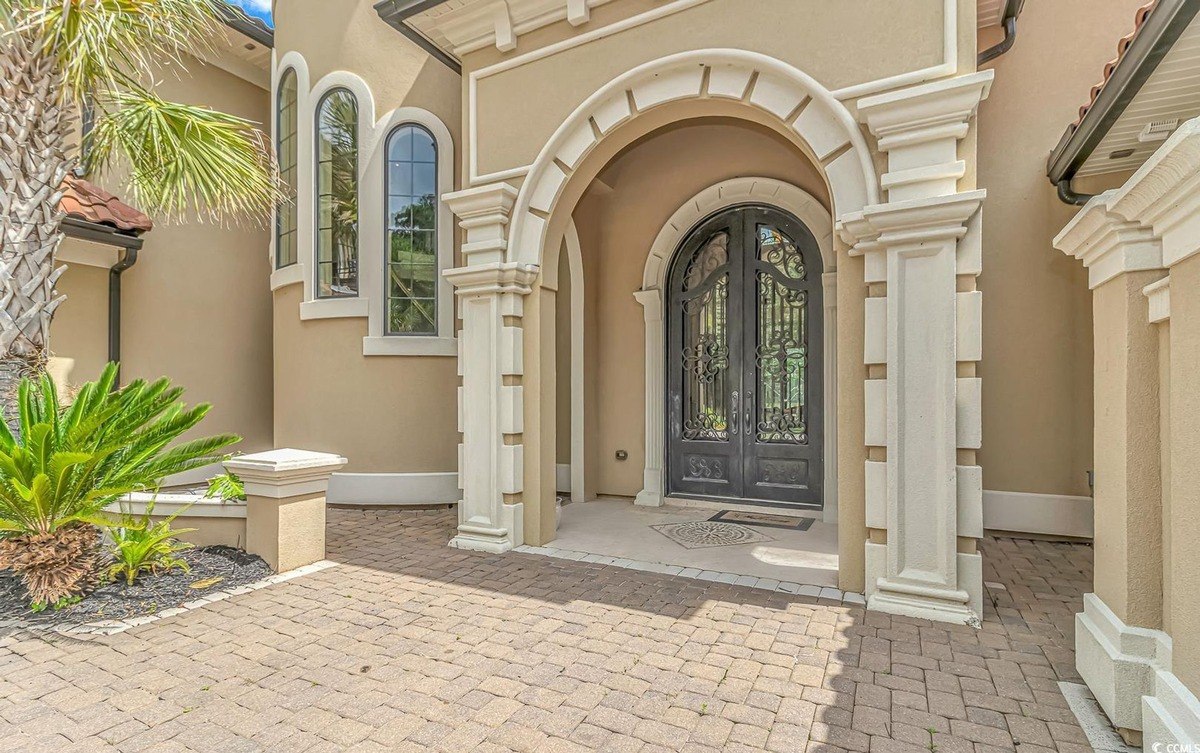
[
  {"x": 1139, "y": 20},
  {"x": 87, "y": 201}
]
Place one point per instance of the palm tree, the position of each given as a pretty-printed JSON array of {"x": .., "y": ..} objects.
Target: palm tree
[{"x": 58, "y": 57}]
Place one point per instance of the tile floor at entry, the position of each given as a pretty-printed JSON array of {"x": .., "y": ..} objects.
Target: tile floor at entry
[{"x": 619, "y": 529}]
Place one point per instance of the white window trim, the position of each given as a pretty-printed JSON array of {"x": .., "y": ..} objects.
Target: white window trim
[
  {"x": 282, "y": 277},
  {"x": 371, "y": 302},
  {"x": 373, "y": 239},
  {"x": 335, "y": 308}
]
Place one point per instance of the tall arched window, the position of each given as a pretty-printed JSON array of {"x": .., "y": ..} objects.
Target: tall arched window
[
  {"x": 412, "y": 247},
  {"x": 337, "y": 195},
  {"x": 285, "y": 149}
]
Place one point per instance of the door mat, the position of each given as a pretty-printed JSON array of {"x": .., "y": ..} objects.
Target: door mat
[
  {"x": 703, "y": 534},
  {"x": 763, "y": 519}
]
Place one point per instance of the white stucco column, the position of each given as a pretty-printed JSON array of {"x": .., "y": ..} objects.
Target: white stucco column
[
  {"x": 491, "y": 295},
  {"x": 921, "y": 343},
  {"x": 651, "y": 494}
]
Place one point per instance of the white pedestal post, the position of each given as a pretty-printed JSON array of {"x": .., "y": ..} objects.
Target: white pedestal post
[{"x": 285, "y": 504}]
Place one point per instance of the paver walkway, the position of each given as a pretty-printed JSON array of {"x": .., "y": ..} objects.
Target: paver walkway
[{"x": 410, "y": 645}]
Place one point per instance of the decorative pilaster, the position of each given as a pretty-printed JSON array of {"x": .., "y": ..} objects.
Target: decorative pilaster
[
  {"x": 491, "y": 296},
  {"x": 651, "y": 494},
  {"x": 921, "y": 343}
]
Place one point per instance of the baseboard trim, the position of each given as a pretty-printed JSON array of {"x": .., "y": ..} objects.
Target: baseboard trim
[
  {"x": 1046, "y": 514},
  {"x": 393, "y": 489}
]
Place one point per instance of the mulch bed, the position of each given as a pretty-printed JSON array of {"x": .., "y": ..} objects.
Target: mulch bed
[{"x": 214, "y": 568}]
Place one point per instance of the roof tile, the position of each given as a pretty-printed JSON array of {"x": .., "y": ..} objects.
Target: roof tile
[{"x": 84, "y": 200}]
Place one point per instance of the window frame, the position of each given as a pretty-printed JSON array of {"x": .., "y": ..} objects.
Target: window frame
[
  {"x": 289, "y": 74},
  {"x": 435, "y": 248},
  {"x": 316, "y": 209}
]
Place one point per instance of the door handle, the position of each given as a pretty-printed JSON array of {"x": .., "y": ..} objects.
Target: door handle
[
  {"x": 733, "y": 422},
  {"x": 749, "y": 411}
]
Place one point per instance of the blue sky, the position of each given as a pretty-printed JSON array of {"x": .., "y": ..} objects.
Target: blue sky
[{"x": 257, "y": 8}]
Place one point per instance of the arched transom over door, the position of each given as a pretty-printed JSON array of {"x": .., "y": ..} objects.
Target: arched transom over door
[{"x": 744, "y": 388}]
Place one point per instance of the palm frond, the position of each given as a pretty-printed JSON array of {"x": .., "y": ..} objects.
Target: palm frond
[
  {"x": 186, "y": 159},
  {"x": 108, "y": 44}
]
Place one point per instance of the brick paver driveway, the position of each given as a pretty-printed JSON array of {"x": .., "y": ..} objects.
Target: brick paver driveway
[{"x": 410, "y": 645}]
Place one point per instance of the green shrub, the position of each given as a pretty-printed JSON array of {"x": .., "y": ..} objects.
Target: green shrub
[
  {"x": 226, "y": 486},
  {"x": 140, "y": 545},
  {"x": 70, "y": 462}
]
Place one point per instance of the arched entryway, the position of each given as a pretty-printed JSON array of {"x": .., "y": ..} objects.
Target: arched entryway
[{"x": 744, "y": 361}]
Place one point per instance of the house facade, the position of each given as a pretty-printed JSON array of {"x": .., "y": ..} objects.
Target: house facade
[{"x": 781, "y": 256}]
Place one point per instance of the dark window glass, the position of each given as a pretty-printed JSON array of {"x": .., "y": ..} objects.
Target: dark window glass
[
  {"x": 285, "y": 149},
  {"x": 337, "y": 195},
  {"x": 412, "y": 199}
]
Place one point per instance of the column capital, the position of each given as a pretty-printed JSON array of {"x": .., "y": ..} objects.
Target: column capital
[
  {"x": 914, "y": 221},
  {"x": 652, "y": 303},
  {"x": 920, "y": 127},
  {"x": 278, "y": 474},
  {"x": 1163, "y": 195},
  {"x": 492, "y": 278},
  {"x": 484, "y": 212},
  {"x": 1107, "y": 243}
]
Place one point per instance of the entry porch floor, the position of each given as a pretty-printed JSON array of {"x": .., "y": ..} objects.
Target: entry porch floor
[
  {"x": 769, "y": 547},
  {"x": 409, "y": 645}
]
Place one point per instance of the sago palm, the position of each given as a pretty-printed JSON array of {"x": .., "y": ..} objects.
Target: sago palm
[
  {"x": 58, "y": 56},
  {"x": 68, "y": 463}
]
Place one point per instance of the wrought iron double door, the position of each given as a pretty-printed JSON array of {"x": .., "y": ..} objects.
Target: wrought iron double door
[{"x": 744, "y": 361}]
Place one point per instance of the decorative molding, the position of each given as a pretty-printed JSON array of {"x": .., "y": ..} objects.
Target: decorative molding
[
  {"x": 1107, "y": 243},
  {"x": 189, "y": 505},
  {"x": 1045, "y": 514},
  {"x": 578, "y": 470},
  {"x": 279, "y": 474},
  {"x": 1164, "y": 194},
  {"x": 411, "y": 345},
  {"x": 292, "y": 274},
  {"x": 723, "y": 195},
  {"x": 948, "y": 67},
  {"x": 393, "y": 488},
  {"x": 1158, "y": 295},
  {"x": 293, "y": 60},
  {"x": 920, "y": 128},
  {"x": 484, "y": 212},
  {"x": 781, "y": 90},
  {"x": 1118, "y": 662},
  {"x": 1171, "y": 716},
  {"x": 335, "y": 308},
  {"x": 373, "y": 241}
]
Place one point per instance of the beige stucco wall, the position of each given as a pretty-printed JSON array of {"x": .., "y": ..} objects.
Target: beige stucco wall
[
  {"x": 1185, "y": 469},
  {"x": 79, "y": 332},
  {"x": 1037, "y": 357},
  {"x": 195, "y": 306},
  {"x": 820, "y": 38},
  {"x": 629, "y": 204},
  {"x": 1128, "y": 538},
  {"x": 384, "y": 413}
]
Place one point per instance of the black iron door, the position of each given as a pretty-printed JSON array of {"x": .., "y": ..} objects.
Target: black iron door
[{"x": 744, "y": 361}]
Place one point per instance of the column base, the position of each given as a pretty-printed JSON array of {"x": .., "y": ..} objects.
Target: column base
[
  {"x": 480, "y": 537},
  {"x": 648, "y": 498},
  {"x": 1118, "y": 662},
  {"x": 959, "y": 607},
  {"x": 1170, "y": 717}
]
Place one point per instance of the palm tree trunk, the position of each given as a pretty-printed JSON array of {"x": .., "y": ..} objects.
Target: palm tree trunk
[{"x": 36, "y": 126}]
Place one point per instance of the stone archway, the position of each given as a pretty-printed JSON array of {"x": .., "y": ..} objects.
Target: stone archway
[{"x": 797, "y": 101}]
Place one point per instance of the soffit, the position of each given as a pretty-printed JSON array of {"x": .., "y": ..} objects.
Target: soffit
[{"x": 1170, "y": 94}]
